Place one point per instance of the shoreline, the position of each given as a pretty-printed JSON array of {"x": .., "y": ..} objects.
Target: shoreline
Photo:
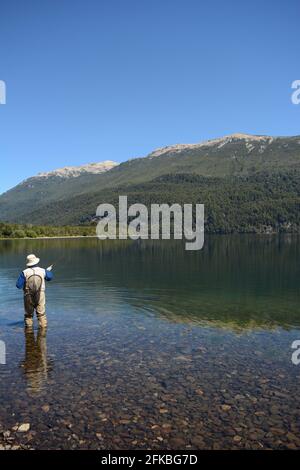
[
  {"x": 49, "y": 238},
  {"x": 65, "y": 237}
]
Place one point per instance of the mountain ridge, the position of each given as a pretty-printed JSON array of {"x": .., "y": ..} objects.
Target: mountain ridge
[
  {"x": 73, "y": 198},
  {"x": 74, "y": 171},
  {"x": 219, "y": 141},
  {"x": 106, "y": 165}
]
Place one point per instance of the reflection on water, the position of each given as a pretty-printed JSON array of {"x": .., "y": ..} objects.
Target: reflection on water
[
  {"x": 35, "y": 364},
  {"x": 238, "y": 281},
  {"x": 150, "y": 346}
]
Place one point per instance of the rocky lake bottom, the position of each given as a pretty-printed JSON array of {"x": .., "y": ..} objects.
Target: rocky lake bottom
[{"x": 150, "y": 348}]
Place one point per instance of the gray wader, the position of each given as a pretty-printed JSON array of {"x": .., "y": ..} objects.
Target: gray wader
[{"x": 35, "y": 300}]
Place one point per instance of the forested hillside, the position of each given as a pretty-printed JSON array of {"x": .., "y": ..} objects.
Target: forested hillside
[
  {"x": 247, "y": 183},
  {"x": 257, "y": 203}
]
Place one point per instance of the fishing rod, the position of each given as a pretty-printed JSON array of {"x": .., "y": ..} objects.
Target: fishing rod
[{"x": 57, "y": 260}]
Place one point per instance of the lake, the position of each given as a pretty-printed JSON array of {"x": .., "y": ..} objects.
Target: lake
[{"x": 153, "y": 347}]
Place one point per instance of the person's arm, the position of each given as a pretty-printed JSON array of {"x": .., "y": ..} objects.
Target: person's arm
[
  {"x": 21, "y": 281},
  {"x": 48, "y": 275}
]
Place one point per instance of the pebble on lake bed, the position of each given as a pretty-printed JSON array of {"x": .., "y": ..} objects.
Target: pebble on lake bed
[
  {"x": 24, "y": 427},
  {"x": 226, "y": 407}
]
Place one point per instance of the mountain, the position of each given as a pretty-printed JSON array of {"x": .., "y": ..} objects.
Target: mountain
[
  {"x": 75, "y": 171},
  {"x": 247, "y": 183},
  {"x": 45, "y": 188}
]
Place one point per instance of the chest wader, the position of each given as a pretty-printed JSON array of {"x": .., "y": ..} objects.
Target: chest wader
[{"x": 34, "y": 299}]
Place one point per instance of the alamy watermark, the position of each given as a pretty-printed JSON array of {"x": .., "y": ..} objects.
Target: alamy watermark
[
  {"x": 296, "y": 94},
  {"x": 296, "y": 353},
  {"x": 2, "y": 92},
  {"x": 162, "y": 222},
  {"x": 2, "y": 353}
]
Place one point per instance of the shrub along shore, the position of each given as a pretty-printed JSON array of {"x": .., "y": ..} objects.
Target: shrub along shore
[{"x": 8, "y": 230}]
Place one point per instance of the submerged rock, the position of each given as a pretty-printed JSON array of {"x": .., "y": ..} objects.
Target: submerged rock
[{"x": 24, "y": 427}]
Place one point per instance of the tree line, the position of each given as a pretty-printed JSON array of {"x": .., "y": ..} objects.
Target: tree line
[{"x": 8, "y": 230}]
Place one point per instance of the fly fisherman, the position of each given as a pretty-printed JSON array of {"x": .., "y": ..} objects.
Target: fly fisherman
[{"x": 32, "y": 281}]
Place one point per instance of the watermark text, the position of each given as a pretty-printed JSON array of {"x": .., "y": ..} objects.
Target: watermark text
[
  {"x": 2, "y": 92},
  {"x": 296, "y": 353},
  {"x": 2, "y": 353},
  {"x": 162, "y": 222},
  {"x": 296, "y": 94}
]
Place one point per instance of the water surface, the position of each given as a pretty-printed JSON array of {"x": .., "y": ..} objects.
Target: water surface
[{"x": 150, "y": 346}]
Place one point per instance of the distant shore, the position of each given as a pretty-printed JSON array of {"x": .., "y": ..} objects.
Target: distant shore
[
  {"x": 10, "y": 231},
  {"x": 49, "y": 238}
]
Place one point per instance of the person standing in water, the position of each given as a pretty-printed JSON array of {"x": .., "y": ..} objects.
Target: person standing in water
[{"x": 32, "y": 281}]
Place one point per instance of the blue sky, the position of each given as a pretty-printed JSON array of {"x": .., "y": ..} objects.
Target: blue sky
[{"x": 92, "y": 80}]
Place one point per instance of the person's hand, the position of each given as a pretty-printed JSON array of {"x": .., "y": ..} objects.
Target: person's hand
[{"x": 50, "y": 268}]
